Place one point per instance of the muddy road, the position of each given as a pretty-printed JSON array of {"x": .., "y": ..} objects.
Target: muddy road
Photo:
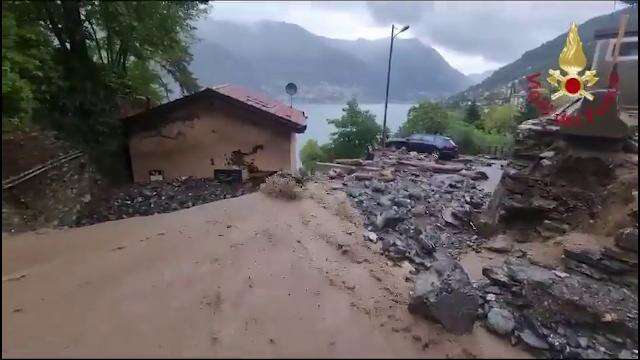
[{"x": 248, "y": 276}]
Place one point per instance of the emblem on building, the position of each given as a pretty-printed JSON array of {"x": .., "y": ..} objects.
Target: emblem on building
[{"x": 572, "y": 60}]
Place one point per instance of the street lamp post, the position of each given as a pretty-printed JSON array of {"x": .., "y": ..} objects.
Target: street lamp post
[{"x": 386, "y": 98}]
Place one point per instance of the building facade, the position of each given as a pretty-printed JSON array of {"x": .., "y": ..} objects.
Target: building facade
[{"x": 222, "y": 128}]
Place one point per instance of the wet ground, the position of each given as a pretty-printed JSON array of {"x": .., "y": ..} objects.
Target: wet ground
[{"x": 288, "y": 278}]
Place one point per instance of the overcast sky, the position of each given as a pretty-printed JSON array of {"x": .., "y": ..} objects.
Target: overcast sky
[{"x": 473, "y": 36}]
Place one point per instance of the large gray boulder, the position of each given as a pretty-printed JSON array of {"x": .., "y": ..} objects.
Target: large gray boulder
[{"x": 445, "y": 293}]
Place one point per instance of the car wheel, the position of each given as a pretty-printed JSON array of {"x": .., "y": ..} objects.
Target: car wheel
[{"x": 436, "y": 154}]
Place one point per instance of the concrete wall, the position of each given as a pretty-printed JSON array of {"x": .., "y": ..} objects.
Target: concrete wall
[{"x": 204, "y": 136}]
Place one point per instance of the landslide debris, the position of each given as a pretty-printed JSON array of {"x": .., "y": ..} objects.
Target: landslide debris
[{"x": 157, "y": 197}]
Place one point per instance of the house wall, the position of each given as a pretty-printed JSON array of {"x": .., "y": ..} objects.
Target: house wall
[
  {"x": 204, "y": 136},
  {"x": 627, "y": 70}
]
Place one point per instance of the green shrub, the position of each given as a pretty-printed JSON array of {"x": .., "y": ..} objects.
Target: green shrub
[{"x": 311, "y": 153}]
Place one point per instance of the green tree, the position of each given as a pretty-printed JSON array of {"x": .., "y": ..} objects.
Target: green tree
[
  {"x": 26, "y": 67},
  {"x": 472, "y": 113},
  {"x": 426, "y": 117},
  {"x": 355, "y": 131},
  {"x": 499, "y": 119},
  {"x": 311, "y": 153},
  {"x": 100, "y": 51}
]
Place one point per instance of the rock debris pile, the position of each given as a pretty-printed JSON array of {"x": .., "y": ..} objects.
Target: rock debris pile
[
  {"x": 566, "y": 315},
  {"x": 413, "y": 204},
  {"x": 157, "y": 197},
  {"x": 556, "y": 190},
  {"x": 421, "y": 209}
]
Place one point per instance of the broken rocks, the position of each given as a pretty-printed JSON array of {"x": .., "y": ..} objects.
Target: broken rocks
[
  {"x": 550, "y": 228},
  {"x": 444, "y": 293},
  {"x": 593, "y": 257},
  {"x": 566, "y": 315},
  {"x": 627, "y": 239},
  {"x": 533, "y": 340},
  {"x": 335, "y": 173},
  {"x": 389, "y": 218},
  {"x": 501, "y": 244},
  {"x": 404, "y": 199},
  {"x": 371, "y": 236},
  {"x": 500, "y": 321},
  {"x": 497, "y": 276},
  {"x": 157, "y": 197}
]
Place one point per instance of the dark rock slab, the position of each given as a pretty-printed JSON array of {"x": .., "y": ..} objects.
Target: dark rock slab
[
  {"x": 445, "y": 293},
  {"x": 594, "y": 258},
  {"x": 497, "y": 276},
  {"x": 577, "y": 299}
]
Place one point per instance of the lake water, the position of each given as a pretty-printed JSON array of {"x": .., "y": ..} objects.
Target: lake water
[{"x": 319, "y": 129}]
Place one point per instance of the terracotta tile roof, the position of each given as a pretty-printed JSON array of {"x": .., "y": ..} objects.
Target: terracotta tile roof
[
  {"x": 234, "y": 94},
  {"x": 262, "y": 102}
]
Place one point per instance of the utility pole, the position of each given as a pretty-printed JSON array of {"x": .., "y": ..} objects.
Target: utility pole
[{"x": 386, "y": 97}]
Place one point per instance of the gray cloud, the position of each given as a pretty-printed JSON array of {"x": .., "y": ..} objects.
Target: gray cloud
[
  {"x": 405, "y": 12},
  {"x": 498, "y": 31}
]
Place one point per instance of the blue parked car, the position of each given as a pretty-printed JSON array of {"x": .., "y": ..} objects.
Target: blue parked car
[{"x": 441, "y": 146}]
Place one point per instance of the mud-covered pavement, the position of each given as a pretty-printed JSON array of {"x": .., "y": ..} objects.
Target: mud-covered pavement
[{"x": 239, "y": 277}]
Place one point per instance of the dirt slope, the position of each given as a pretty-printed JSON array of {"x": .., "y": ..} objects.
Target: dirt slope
[{"x": 249, "y": 276}]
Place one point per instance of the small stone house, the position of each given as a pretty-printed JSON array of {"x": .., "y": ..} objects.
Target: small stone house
[{"x": 224, "y": 128}]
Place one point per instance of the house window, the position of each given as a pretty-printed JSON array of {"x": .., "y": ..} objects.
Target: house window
[
  {"x": 156, "y": 175},
  {"x": 628, "y": 49}
]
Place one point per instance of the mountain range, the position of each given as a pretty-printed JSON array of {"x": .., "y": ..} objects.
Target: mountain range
[{"x": 267, "y": 55}]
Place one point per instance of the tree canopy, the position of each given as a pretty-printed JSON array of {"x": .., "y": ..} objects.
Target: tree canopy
[
  {"x": 68, "y": 65},
  {"x": 426, "y": 117},
  {"x": 356, "y": 129},
  {"x": 472, "y": 114},
  {"x": 500, "y": 119}
]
